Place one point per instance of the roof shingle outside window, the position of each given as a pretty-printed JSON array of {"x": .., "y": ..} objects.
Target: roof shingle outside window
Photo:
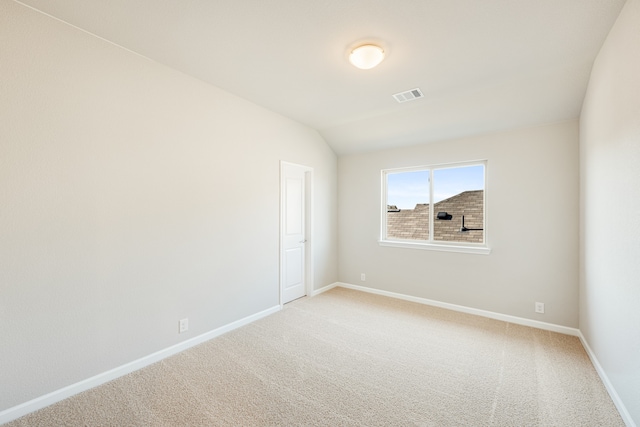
[{"x": 413, "y": 224}]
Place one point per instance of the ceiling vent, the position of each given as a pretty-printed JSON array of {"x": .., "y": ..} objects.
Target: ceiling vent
[{"x": 409, "y": 95}]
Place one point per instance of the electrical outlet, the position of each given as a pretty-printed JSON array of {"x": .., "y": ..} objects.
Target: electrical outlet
[
  {"x": 362, "y": 277},
  {"x": 540, "y": 307},
  {"x": 183, "y": 325}
]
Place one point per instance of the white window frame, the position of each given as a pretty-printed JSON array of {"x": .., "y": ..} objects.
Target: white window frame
[{"x": 473, "y": 248}]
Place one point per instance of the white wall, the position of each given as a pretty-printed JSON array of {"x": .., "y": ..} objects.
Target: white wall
[
  {"x": 610, "y": 209},
  {"x": 131, "y": 196},
  {"x": 532, "y": 222}
]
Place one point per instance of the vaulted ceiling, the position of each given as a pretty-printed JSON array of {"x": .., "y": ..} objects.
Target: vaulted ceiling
[{"x": 483, "y": 65}]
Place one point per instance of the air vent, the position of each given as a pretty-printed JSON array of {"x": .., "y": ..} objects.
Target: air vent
[{"x": 409, "y": 95}]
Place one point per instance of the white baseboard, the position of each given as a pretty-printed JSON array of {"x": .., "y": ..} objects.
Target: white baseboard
[
  {"x": 324, "y": 289},
  {"x": 624, "y": 413},
  {"x": 73, "y": 389},
  {"x": 469, "y": 310}
]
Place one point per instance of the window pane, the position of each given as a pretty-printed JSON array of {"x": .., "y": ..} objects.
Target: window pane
[
  {"x": 460, "y": 193},
  {"x": 408, "y": 205}
]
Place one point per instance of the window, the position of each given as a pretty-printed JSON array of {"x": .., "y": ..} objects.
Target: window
[{"x": 435, "y": 207}]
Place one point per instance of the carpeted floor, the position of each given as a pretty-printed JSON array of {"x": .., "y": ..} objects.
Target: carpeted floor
[{"x": 346, "y": 358}]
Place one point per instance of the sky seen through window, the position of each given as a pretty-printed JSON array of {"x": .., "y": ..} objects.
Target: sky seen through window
[{"x": 406, "y": 189}]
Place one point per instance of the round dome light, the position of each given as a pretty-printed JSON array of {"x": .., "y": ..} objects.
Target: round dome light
[{"x": 366, "y": 56}]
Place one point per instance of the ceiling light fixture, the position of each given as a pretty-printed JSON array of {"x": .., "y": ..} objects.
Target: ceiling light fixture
[{"x": 366, "y": 56}]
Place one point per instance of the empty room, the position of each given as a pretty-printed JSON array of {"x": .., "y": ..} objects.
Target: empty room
[{"x": 320, "y": 213}]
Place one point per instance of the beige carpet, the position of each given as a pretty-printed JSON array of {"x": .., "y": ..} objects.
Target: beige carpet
[{"x": 346, "y": 358}]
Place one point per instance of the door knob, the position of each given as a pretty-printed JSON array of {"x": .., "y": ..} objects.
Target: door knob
[{"x": 303, "y": 241}]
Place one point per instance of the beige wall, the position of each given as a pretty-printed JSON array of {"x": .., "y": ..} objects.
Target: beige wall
[
  {"x": 532, "y": 226},
  {"x": 610, "y": 209},
  {"x": 131, "y": 196}
]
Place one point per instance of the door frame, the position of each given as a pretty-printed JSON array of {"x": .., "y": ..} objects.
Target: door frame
[{"x": 308, "y": 226}]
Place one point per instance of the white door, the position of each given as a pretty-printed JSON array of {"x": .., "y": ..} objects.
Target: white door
[{"x": 293, "y": 232}]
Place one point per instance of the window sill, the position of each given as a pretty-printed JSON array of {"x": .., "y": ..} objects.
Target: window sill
[{"x": 436, "y": 247}]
